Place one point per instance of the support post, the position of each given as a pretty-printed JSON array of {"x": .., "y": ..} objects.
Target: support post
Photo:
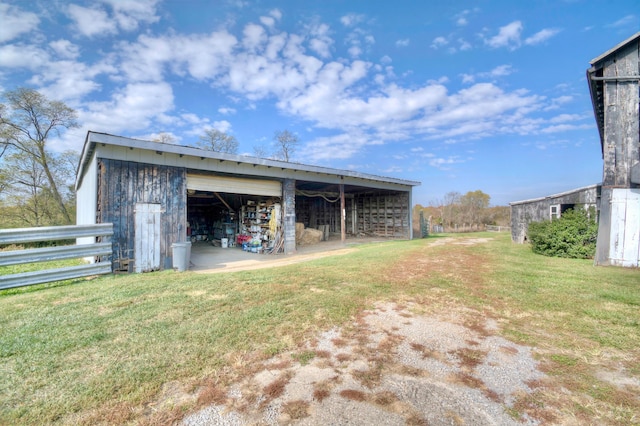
[
  {"x": 343, "y": 216},
  {"x": 289, "y": 214}
]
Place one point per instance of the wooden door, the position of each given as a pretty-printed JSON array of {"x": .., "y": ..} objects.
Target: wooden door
[{"x": 147, "y": 237}]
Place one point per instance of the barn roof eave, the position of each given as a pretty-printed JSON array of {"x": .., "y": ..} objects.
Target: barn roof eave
[
  {"x": 560, "y": 194},
  {"x": 105, "y": 138}
]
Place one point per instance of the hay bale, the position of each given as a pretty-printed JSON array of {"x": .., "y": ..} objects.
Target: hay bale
[
  {"x": 299, "y": 231},
  {"x": 310, "y": 236}
]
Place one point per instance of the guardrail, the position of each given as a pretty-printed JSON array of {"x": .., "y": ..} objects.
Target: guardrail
[{"x": 54, "y": 233}]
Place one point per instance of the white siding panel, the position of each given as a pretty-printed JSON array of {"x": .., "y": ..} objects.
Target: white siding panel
[
  {"x": 87, "y": 202},
  {"x": 625, "y": 227},
  {"x": 234, "y": 185}
]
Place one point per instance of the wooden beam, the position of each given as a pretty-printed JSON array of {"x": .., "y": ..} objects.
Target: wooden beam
[{"x": 223, "y": 201}]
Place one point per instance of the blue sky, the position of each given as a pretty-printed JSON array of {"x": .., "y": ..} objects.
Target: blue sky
[{"x": 459, "y": 95}]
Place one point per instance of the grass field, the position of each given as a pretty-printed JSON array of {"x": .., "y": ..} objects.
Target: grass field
[{"x": 103, "y": 350}]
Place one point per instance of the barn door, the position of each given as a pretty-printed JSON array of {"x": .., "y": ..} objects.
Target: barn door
[
  {"x": 625, "y": 227},
  {"x": 147, "y": 237}
]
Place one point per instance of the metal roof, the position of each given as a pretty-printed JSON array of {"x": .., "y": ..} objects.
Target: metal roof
[
  {"x": 560, "y": 194},
  {"x": 94, "y": 138}
]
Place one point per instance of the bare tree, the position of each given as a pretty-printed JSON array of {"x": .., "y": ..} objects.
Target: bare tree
[
  {"x": 215, "y": 140},
  {"x": 286, "y": 143},
  {"x": 164, "y": 137},
  {"x": 450, "y": 207},
  {"x": 260, "y": 151},
  {"x": 26, "y": 124}
]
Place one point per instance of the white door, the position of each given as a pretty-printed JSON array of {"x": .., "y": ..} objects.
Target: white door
[
  {"x": 624, "y": 246},
  {"x": 147, "y": 237}
]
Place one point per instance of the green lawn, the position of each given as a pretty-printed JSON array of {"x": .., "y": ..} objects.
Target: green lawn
[{"x": 102, "y": 349}]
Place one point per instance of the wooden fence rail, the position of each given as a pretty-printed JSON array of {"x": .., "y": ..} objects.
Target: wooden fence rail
[{"x": 54, "y": 233}]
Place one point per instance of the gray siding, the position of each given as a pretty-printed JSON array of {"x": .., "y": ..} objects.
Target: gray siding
[{"x": 538, "y": 210}]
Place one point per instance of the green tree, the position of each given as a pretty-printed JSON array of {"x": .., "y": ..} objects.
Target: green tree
[
  {"x": 473, "y": 205},
  {"x": 215, "y": 140},
  {"x": 27, "y": 120}
]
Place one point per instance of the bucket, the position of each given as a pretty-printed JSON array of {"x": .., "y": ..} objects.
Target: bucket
[
  {"x": 224, "y": 242},
  {"x": 181, "y": 253}
]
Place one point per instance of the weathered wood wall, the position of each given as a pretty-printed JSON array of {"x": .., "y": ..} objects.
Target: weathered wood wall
[
  {"x": 620, "y": 148},
  {"x": 538, "y": 210},
  {"x": 384, "y": 214},
  {"x": 122, "y": 184}
]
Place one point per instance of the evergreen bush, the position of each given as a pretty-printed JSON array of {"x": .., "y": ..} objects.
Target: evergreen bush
[{"x": 573, "y": 235}]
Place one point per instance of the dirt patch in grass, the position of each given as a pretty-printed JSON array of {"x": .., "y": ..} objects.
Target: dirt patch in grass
[{"x": 416, "y": 373}]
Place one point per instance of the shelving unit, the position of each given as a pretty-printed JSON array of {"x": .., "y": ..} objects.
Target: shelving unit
[{"x": 255, "y": 227}]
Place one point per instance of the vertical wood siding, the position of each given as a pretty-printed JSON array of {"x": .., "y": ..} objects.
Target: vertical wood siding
[{"x": 122, "y": 184}]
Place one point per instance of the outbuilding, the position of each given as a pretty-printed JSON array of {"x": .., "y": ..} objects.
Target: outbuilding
[
  {"x": 549, "y": 208},
  {"x": 158, "y": 194},
  {"x": 614, "y": 84},
  {"x": 614, "y": 79}
]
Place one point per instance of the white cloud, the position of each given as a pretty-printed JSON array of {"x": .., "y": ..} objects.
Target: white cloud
[
  {"x": 444, "y": 163},
  {"x": 565, "y": 128},
  {"x": 501, "y": 71},
  {"x": 267, "y": 21},
  {"x": 463, "y": 45},
  {"x": 65, "y": 49},
  {"x": 439, "y": 42},
  {"x": 320, "y": 40},
  {"x": 462, "y": 18},
  {"x": 629, "y": 20},
  {"x": 337, "y": 147},
  {"x": 468, "y": 78},
  {"x": 558, "y": 102},
  {"x": 128, "y": 14},
  {"x": 562, "y": 118},
  {"x": 508, "y": 36},
  {"x": 403, "y": 42},
  {"x": 134, "y": 107},
  {"x": 125, "y": 15},
  {"x": 226, "y": 111},
  {"x": 91, "y": 21},
  {"x": 541, "y": 36},
  {"x": 354, "y": 51},
  {"x": 276, "y": 14},
  {"x": 15, "y": 22},
  {"x": 22, "y": 56},
  {"x": 222, "y": 125},
  {"x": 254, "y": 36},
  {"x": 351, "y": 19}
]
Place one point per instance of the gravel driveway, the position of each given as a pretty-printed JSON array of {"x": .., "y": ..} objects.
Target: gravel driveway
[{"x": 393, "y": 365}]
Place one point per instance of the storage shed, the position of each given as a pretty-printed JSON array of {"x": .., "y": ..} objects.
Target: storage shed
[
  {"x": 615, "y": 94},
  {"x": 549, "y": 208},
  {"x": 160, "y": 194}
]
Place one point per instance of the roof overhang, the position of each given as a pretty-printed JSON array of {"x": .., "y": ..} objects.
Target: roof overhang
[
  {"x": 93, "y": 139},
  {"x": 596, "y": 81}
]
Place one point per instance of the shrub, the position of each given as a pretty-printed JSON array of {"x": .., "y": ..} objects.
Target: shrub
[{"x": 573, "y": 235}]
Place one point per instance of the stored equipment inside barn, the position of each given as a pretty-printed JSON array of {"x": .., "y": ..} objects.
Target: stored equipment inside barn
[{"x": 157, "y": 195}]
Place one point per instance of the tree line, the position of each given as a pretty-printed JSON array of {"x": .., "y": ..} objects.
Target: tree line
[
  {"x": 37, "y": 182},
  {"x": 457, "y": 212}
]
